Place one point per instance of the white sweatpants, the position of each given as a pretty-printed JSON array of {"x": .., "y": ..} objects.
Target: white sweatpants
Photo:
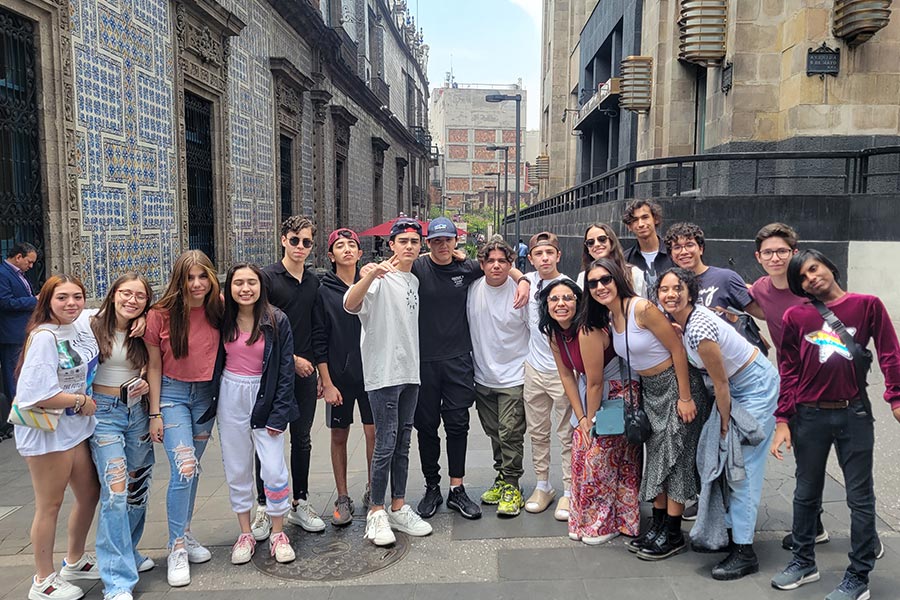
[{"x": 237, "y": 396}]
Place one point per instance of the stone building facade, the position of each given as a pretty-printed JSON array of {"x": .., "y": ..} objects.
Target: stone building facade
[{"x": 161, "y": 125}]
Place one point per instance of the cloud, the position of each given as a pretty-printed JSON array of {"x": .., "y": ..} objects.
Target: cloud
[{"x": 533, "y": 9}]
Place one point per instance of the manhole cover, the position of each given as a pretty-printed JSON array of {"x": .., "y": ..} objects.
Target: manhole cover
[{"x": 338, "y": 553}]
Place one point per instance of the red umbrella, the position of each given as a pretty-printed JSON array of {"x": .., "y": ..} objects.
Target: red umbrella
[{"x": 384, "y": 230}]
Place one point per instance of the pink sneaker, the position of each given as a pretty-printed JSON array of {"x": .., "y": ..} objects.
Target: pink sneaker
[
  {"x": 280, "y": 547},
  {"x": 243, "y": 548}
]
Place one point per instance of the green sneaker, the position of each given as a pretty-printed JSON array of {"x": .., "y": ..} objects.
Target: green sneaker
[
  {"x": 492, "y": 496},
  {"x": 511, "y": 501}
]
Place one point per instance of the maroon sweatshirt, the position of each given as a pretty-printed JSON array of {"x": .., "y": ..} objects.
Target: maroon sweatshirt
[{"x": 816, "y": 366}]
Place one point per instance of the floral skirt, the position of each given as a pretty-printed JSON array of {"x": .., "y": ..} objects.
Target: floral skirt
[{"x": 606, "y": 480}]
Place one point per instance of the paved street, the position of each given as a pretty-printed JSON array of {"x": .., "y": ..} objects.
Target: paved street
[{"x": 526, "y": 557}]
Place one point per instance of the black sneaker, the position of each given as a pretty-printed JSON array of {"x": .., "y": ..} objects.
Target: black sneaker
[
  {"x": 668, "y": 542},
  {"x": 822, "y": 537},
  {"x": 458, "y": 500},
  {"x": 739, "y": 563},
  {"x": 690, "y": 512},
  {"x": 428, "y": 505}
]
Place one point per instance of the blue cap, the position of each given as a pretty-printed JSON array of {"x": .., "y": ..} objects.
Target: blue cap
[{"x": 441, "y": 227}]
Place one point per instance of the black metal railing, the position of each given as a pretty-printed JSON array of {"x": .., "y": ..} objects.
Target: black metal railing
[
  {"x": 872, "y": 170},
  {"x": 201, "y": 201},
  {"x": 422, "y": 135}
]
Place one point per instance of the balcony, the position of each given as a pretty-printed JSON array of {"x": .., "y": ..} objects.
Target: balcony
[
  {"x": 422, "y": 135},
  {"x": 601, "y": 103},
  {"x": 382, "y": 90}
]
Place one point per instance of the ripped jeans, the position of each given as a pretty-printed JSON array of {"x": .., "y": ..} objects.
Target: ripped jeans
[
  {"x": 123, "y": 454},
  {"x": 182, "y": 404}
]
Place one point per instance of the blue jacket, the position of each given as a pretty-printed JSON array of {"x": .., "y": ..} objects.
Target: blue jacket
[
  {"x": 275, "y": 405},
  {"x": 16, "y": 305}
]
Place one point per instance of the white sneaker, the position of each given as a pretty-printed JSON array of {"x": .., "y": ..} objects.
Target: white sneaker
[
  {"x": 179, "y": 573},
  {"x": 378, "y": 529},
  {"x": 243, "y": 548},
  {"x": 262, "y": 524},
  {"x": 303, "y": 515},
  {"x": 85, "y": 568},
  {"x": 146, "y": 564},
  {"x": 54, "y": 588},
  {"x": 280, "y": 548},
  {"x": 602, "y": 539},
  {"x": 119, "y": 596},
  {"x": 197, "y": 553},
  {"x": 408, "y": 521}
]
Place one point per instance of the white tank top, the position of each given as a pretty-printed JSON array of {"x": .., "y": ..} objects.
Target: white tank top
[
  {"x": 646, "y": 350},
  {"x": 116, "y": 369}
]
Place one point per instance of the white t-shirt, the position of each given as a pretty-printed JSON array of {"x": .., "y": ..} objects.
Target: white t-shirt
[
  {"x": 389, "y": 341},
  {"x": 649, "y": 257},
  {"x": 499, "y": 334},
  {"x": 703, "y": 324},
  {"x": 540, "y": 357},
  {"x": 637, "y": 280},
  {"x": 66, "y": 363}
]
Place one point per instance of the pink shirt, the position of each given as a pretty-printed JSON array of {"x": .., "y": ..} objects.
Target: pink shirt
[
  {"x": 774, "y": 303},
  {"x": 203, "y": 344},
  {"x": 242, "y": 359}
]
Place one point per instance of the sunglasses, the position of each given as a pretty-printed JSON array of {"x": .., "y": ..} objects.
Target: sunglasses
[
  {"x": 295, "y": 241},
  {"x": 600, "y": 239},
  {"x": 564, "y": 298},
  {"x": 603, "y": 280},
  {"x": 341, "y": 233}
]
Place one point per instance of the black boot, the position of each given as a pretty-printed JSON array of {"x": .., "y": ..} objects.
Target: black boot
[
  {"x": 656, "y": 524},
  {"x": 668, "y": 542},
  {"x": 739, "y": 563}
]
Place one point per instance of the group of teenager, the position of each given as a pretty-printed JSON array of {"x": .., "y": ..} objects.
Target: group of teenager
[{"x": 418, "y": 339}]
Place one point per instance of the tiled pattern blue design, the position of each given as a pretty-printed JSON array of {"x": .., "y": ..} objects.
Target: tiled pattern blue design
[{"x": 125, "y": 138}]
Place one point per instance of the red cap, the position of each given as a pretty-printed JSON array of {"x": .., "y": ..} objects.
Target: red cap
[{"x": 344, "y": 233}]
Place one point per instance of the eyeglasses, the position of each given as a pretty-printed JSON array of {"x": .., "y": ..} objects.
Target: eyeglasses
[
  {"x": 600, "y": 239},
  {"x": 603, "y": 280},
  {"x": 295, "y": 241},
  {"x": 128, "y": 295},
  {"x": 564, "y": 298},
  {"x": 689, "y": 246},
  {"x": 780, "y": 253}
]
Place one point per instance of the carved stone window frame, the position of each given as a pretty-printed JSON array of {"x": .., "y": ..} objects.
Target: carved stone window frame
[
  {"x": 202, "y": 48},
  {"x": 342, "y": 120},
  {"x": 56, "y": 121},
  {"x": 290, "y": 86},
  {"x": 379, "y": 147}
]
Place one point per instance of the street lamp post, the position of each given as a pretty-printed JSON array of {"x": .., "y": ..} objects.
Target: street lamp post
[
  {"x": 496, "y": 200},
  {"x": 505, "y": 149},
  {"x": 518, "y": 100}
]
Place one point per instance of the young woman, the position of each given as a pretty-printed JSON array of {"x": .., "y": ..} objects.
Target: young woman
[
  {"x": 254, "y": 376},
  {"x": 673, "y": 396},
  {"x": 182, "y": 339},
  {"x": 600, "y": 241},
  {"x": 605, "y": 469},
  {"x": 741, "y": 376},
  {"x": 55, "y": 370},
  {"x": 121, "y": 446}
]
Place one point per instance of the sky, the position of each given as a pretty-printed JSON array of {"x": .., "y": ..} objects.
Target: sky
[{"x": 488, "y": 41}]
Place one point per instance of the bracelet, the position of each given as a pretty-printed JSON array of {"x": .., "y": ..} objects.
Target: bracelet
[
  {"x": 156, "y": 416},
  {"x": 523, "y": 277},
  {"x": 685, "y": 400},
  {"x": 79, "y": 402},
  {"x": 582, "y": 417}
]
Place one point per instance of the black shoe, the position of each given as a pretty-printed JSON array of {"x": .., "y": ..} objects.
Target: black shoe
[
  {"x": 656, "y": 524},
  {"x": 822, "y": 536},
  {"x": 458, "y": 500},
  {"x": 428, "y": 505},
  {"x": 739, "y": 563},
  {"x": 690, "y": 511},
  {"x": 668, "y": 542}
]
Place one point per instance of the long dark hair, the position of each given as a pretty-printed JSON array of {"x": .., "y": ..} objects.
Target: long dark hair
[
  {"x": 261, "y": 310},
  {"x": 615, "y": 247},
  {"x": 103, "y": 324},
  {"x": 175, "y": 299},
  {"x": 795, "y": 278},
  {"x": 594, "y": 315},
  {"x": 42, "y": 312},
  {"x": 547, "y": 324}
]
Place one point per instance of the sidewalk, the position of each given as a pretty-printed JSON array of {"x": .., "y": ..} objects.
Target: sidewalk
[{"x": 521, "y": 558}]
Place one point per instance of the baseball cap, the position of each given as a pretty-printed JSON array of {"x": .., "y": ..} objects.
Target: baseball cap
[
  {"x": 544, "y": 238},
  {"x": 441, "y": 227},
  {"x": 405, "y": 226},
  {"x": 343, "y": 232}
]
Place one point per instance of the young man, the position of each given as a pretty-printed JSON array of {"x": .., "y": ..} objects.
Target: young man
[
  {"x": 335, "y": 340},
  {"x": 543, "y": 391},
  {"x": 776, "y": 243},
  {"x": 16, "y": 303},
  {"x": 499, "y": 347},
  {"x": 386, "y": 299},
  {"x": 293, "y": 288},
  {"x": 447, "y": 372},
  {"x": 821, "y": 406},
  {"x": 521, "y": 253},
  {"x": 643, "y": 217}
]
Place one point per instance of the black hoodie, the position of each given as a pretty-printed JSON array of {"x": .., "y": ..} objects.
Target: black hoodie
[{"x": 335, "y": 334}]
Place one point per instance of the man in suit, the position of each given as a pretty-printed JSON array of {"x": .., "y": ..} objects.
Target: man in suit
[{"x": 16, "y": 303}]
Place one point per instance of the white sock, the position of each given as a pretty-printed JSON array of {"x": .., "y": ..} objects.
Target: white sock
[
  {"x": 544, "y": 486},
  {"x": 453, "y": 487},
  {"x": 567, "y": 494}
]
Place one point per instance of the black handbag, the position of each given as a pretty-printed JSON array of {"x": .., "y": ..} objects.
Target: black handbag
[{"x": 637, "y": 424}]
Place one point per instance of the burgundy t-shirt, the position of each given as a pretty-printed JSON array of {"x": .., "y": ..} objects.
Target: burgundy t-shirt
[{"x": 774, "y": 303}]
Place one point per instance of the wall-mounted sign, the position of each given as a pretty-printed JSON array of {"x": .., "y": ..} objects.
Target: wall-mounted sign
[
  {"x": 823, "y": 61},
  {"x": 727, "y": 77}
]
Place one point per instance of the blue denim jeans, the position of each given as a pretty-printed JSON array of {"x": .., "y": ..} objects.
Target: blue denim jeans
[
  {"x": 393, "y": 410},
  {"x": 123, "y": 454},
  {"x": 756, "y": 390},
  {"x": 182, "y": 404}
]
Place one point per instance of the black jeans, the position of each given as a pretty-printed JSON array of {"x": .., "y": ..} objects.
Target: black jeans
[
  {"x": 305, "y": 392},
  {"x": 852, "y": 432}
]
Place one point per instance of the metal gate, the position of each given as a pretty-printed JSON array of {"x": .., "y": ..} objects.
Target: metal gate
[
  {"x": 287, "y": 181},
  {"x": 198, "y": 151},
  {"x": 21, "y": 200}
]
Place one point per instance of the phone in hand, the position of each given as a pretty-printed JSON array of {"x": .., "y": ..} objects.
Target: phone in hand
[{"x": 128, "y": 392}]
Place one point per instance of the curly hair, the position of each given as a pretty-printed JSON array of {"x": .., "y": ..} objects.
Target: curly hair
[
  {"x": 684, "y": 230},
  {"x": 655, "y": 210},
  {"x": 687, "y": 278},
  {"x": 296, "y": 223},
  {"x": 496, "y": 243}
]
